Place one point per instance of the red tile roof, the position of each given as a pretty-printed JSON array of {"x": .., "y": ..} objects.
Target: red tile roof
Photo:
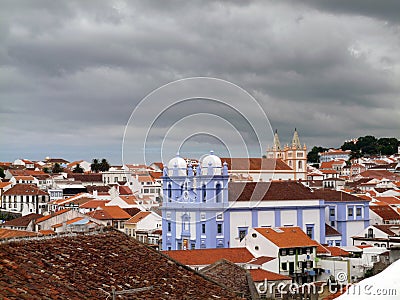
[
  {"x": 363, "y": 246},
  {"x": 287, "y": 237},
  {"x": 131, "y": 200},
  {"x": 336, "y": 251},
  {"x": 336, "y": 196},
  {"x": 200, "y": 257},
  {"x": 24, "y": 189},
  {"x": 4, "y": 184},
  {"x": 94, "y": 203},
  {"x": 389, "y": 200},
  {"x": 145, "y": 178},
  {"x": 92, "y": 177},
  {"x": 22, "y": 221},
  {"x": 26, "y": 172},
  {"x": 261, "y": 260},
  {"x": 139, "y": 216},
  {"x": 89, "y": 266},
  {"x": 47, "y": 232},
  {"x": 269, "y": 191},
  {"x": 256, "y": 164},
  {"x": 109, "y": 213},
  {"x": 321, "y": 249},
  {"x": 28, "y": 177},
  {"x": 386, "y": 212},
  {"x": 387, "y": 228},
  {"x": 330, "y": 231},
  {"x": 262, "y": 275},
  {"x": 11, "y": 233},
  {"x": 124, "y": 190},
  {"x": 60, "y": 212},
  {"x": 379, "y": 174}
]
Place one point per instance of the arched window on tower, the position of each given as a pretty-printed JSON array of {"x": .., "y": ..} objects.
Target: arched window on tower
[
  {"x": 300, "y": 165},
  {"x": 204, "y": 193},
  {"x": 218, "y": 193},
  {"x": 181, "y": 189},
  {"x": 169, "y": 192}
]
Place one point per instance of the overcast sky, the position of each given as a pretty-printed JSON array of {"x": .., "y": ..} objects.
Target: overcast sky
[{"x": 72, "y": 72}]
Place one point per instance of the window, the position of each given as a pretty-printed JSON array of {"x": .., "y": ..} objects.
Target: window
[
  {"x": 254, "y": 235},
  {"x": 203, "y": 228},
  {"x": 332, "y": 212},
  {"x": 337, "y": 243},
  {"x": 310, "y": 232},
  {"x": 219, "y": 228},
  {"x": 333, "y": 223},
  {"x": 350, "y": 211},
  {"x": 242, "y": 234},
  {"x": 358, "y": 211},
  {"x": 204, "y": 193},
  {"x": 218, "y": 193},
  {"x": 284, "y": 266},
  {"x": 256, "y": 248},
  {"x": 115, "y": 179},
  {"x": 283, "y": 252},
  {"x": 169, "y": 227},
  {"x": 169, "y": 192},
  {"x": 300, "y": 165},
  {"x": 291, "y": 251}
]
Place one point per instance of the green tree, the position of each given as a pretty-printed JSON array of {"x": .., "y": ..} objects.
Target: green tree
[
  {"x": 349, "y": 146},
  {"x": 2, "y": 175},
  {"x": 57, "y": 168},
  {"x": 387, "y": 146},
  {"x": 367, "y": 145},
  {"x": 78, "y": 169},
  {"x": 313, "y": 156},
  {"x": 104, "y": 165},
  {"x": 95, "y": 165},
  {"x": 46, "y": 170}
]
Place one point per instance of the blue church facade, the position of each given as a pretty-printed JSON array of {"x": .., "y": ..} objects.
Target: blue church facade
[
  {"x": 199, "y": 213},
  {"x": 194, "y": 204}
]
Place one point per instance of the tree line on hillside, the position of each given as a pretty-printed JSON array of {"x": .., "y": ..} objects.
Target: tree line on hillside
[{"x": 365, "y": 146}]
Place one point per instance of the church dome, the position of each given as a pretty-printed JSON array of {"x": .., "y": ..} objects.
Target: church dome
[
  {"x": 179, "y": 163},
  {"x": 213, "y": 161}
]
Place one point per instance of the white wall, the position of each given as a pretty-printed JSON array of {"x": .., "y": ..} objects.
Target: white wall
[
  {"x": 266, "y": 218},
  {"x": 288, "y": 217},
  {"x": 238, "y": 219}
]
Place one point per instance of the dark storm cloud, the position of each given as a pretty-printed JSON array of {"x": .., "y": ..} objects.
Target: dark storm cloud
[
  {"x": 71, "y": 72},
  {"x": 386, "y": 10}
]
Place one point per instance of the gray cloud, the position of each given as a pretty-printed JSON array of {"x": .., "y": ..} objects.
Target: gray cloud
[{"x": 71, "y": 72}]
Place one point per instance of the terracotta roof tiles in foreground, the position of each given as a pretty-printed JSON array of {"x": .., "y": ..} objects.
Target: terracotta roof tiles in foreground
[
  {"x": 233, "y": 277},
  {"x": 89, "y": 266},
  {"x": 287, "y": 237},
  {"x": 200, "y": 257}
]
